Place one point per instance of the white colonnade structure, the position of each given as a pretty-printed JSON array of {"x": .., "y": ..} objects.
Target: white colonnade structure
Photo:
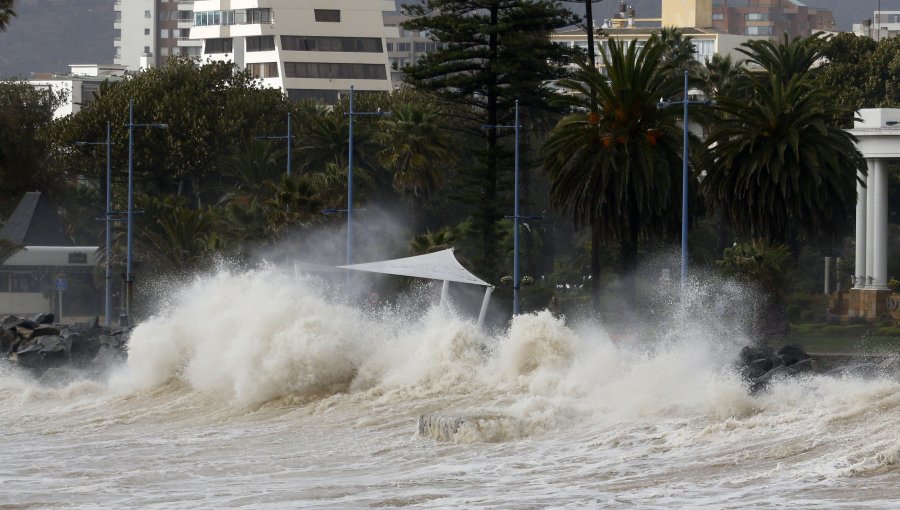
[{"x": 878, "y": 134}]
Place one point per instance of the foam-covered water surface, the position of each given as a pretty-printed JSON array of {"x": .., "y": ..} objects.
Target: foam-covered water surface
[{"x": 252, "y": 390}]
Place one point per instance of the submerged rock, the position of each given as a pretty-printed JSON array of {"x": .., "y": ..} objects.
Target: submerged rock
[
  {"x": 39, "y": 345},
  {"x": 759, "y": 365}
]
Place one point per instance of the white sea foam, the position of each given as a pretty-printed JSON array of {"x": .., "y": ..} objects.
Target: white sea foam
[{"x": 300, "y": 400}]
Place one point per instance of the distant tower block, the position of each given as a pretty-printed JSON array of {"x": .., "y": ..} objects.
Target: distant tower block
[{"x": 687, "y": 13}]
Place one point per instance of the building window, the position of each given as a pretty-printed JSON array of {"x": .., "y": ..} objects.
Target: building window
[
  {"x": 117, "y": 16},
  {"x": 218, "y": 45},
  {"x": 344, "y": 44},
  {"x": 758, "y": 31},
  {"x": 718, "y": 16},
  {"x": 263, "y": 43},
  {"x": 213, "y": 18},
  {"x": 163, "y": 33},
  {"x": 390, "y": 46},
  {"x": 146, "y": 31},
  {"x": 321, "y": 96},
  {"x": 328, "y": 15},
  {"x": 147, "y": 14},
  {"x": 259, "y": 16},
  {"x": 23, "y": 282},
  {"x": 403, "y": 46},
  {"x": 758, "y": 16},
  {"x": 703, "y": 50},
  {"x": 334, "y": 70},
  {"x": 263, "y": 69}
]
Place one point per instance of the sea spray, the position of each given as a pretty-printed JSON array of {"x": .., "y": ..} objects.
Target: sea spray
[{"x": 252, "y": 389}]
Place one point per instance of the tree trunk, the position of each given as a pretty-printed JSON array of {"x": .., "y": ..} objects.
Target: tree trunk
[
  {"x": 489, "y": 193},
  {"x": 595, "y": 268}
]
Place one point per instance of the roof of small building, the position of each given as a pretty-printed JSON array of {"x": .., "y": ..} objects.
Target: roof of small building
[{"x": 35, "y": 222}]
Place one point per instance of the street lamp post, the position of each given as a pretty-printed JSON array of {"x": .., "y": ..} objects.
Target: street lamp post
[
  {"x": 516, "y": 216},
  {"x": 353, "y": 113},
  {"x": 684, "y": 177},
  {"x": 286, "y": 137},
  {"x": 107, "y": 305},
  {"x": 129, "y": 276}
]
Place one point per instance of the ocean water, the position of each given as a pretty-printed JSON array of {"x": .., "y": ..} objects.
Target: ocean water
[{"x": 247, "y": 391}]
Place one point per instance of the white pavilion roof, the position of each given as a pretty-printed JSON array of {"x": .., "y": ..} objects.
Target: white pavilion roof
[{"x": 440, "y": 265}]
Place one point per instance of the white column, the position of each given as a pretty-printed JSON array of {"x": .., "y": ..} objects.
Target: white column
[
  {"x": 870, "y": 222},
  {"x": 860, "y": 272},
  {"x": 880, "y": 243}
]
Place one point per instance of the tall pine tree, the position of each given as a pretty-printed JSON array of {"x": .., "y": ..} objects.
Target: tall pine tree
[{"x": 492, "y": 53}]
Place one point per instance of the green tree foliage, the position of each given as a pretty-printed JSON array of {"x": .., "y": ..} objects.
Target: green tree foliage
[
  {"x": 617, "y": 170},
  {"x": 492, "y": 53},
  {"x": 25, "y": 114},
  {"x": 208, "y": 108},
  {"x": 722, "y": 76},
  {"x": 175, "y": 238},
  {"x": 415, "y": 149},
  {"x": 862, "y": 73},
  {"x": 777, "y": 165},
  {"x": 6, "y": 13}
]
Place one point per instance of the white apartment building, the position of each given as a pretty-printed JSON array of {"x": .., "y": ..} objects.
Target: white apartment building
[
  {"x": 79, "y": 86},
  {"x": 407, "y": 48},
  {"x": 310, "y": 49},
  {"x": 881, "y": 25},
  {"x": 148, "y": 32}
]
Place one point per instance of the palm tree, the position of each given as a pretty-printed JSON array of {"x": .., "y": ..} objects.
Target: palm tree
[
  {"x": 248, "y": 172},
  {"x": 296, "y": 201},
  {"x": 679, "y": 50},
  {"x": 6, "y": 13},
  {"x": 721, "y": 76},
  {"x": 618, "y": 169},
  {"x": 178, "y": 238},
  {"x": 777, "y": 165},
  {"x": 415, "y": 148},
  {"x": 430, "y": 242}
]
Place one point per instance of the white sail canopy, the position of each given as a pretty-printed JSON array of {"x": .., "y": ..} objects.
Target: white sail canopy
[{"x": 440, "y": 265}]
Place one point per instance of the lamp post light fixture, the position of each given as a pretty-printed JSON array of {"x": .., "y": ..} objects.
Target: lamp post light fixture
[
  {"x": 353, "y": 113},
  {"x": 685, "y": 101},
  {"x": 129, "y": 276},
  {"x": 107, "y": 306},
  {"x": 516, "y": 215},
  {"x": 285, "y": 137}
]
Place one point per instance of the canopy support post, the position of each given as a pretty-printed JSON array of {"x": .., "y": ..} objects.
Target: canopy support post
[
  {"x": 484, "y": 305},
  {"x": 444, "y": 290}
]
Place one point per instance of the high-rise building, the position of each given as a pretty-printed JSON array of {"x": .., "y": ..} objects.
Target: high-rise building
[
  {"x": 314, "y": 49},
  {"x": 407, "y": 48},
  {"x": 148, "y": 32},
  {"x": 770, "y": 18}
]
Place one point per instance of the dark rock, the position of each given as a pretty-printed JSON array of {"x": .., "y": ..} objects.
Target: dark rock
[
  {"x": 751, "y": 353},
  {"x": 6, "y": 339},
  {"x": 757, "y": 368},
  {"x": 44, "y": 318},
  {"x": 10, "y": 322},
  {"x": 792, "y": 354},
  {"x": 94, "y": 323},
  {"x": 24, "y": 332},
  {"x": 83, "y": 347},
  {"x": 45, "y": 330}
]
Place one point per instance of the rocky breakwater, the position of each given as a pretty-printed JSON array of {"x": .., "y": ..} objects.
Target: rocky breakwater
[
  {"x": 760, "y": 365},
  {"x": 40, "y": 346}
]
